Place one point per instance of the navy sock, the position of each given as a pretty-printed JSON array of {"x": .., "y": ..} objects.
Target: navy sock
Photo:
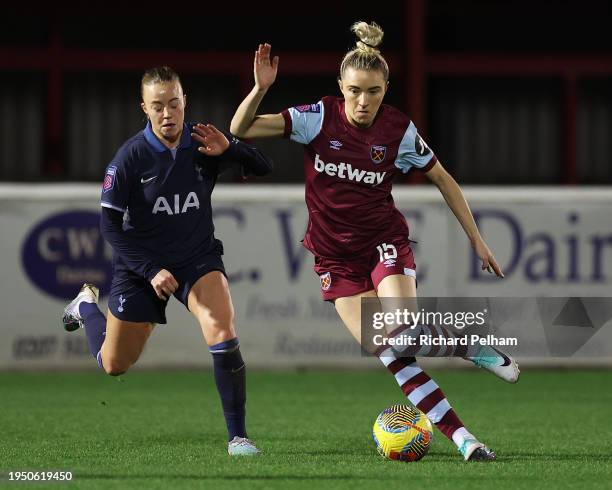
[
  {"x": 95, "y": 328},
  {"x": 230, "y": 377}
]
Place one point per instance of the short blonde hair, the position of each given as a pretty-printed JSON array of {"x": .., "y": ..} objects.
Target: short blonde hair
[{"x": 365, "y": 55}]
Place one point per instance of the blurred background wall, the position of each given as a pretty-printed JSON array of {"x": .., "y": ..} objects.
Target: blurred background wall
[{"x": 506, "y": 92}]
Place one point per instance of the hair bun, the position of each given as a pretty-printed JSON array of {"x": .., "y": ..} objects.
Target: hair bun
[
  {"x": 370, "y": 36},
  {"x": 365, "y": 55}
]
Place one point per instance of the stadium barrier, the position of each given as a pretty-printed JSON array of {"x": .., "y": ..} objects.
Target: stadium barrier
[{"x": 552, "y": 242}]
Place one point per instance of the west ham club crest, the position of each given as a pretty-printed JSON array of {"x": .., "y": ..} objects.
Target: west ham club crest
[{"x": 377, "y": 153}]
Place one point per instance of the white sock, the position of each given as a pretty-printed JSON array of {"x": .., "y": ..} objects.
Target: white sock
[{"x": 460, "y": 435}]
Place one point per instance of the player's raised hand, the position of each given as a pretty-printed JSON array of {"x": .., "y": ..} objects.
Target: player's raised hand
[
  {"x": 164, "y": 284},
  {"x": 264, "y": 69},
  {"x": 214, "y": 142},
  {"x": 488, "y": 260}
]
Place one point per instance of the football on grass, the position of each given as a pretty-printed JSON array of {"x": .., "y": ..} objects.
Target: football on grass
[{"x": 402, "y": 433}]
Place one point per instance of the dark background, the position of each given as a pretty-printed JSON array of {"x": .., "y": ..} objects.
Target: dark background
[{"x": 506, "y": 92}]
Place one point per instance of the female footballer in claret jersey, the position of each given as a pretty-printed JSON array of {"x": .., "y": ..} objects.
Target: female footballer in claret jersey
[
  {"x": 157, "y": 216},
  {"x": 353, "y": 147}
]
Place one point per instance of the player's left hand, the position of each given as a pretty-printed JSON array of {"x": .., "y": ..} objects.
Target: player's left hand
[
  {"x": 214, "y": 142},
  {"x": 488, "y": 260}
]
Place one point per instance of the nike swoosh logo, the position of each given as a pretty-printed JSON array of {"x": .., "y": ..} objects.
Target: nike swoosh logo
[
  {"x": 144, "y": 181},
  {"x": 506, "y": 359}
]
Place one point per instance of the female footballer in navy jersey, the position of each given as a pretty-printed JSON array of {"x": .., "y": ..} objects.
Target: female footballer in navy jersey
[
  {"x": 354, "y": 146},
  {"x": 157, "y": 216}
]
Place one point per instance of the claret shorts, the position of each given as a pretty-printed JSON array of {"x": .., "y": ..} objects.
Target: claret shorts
[{"x": 347, "y": 277}]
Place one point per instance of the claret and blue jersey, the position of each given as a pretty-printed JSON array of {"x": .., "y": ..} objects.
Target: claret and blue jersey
[
  {"x": 165, "y": 194},
  {"x": 349, "y": 173}
]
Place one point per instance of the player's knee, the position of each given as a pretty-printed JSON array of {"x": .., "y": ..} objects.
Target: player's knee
[
  {"x": 222, "y": 323},
  {"x": 220, "y": 330},
  {"x": 226, "y": 325},
  {"x": 116, "y": 367}
]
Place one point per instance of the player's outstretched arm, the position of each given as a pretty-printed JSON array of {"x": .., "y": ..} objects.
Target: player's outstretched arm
[
  {"x": 213, "y": 141},
  {"x": 453, "y": 195},
  {"x": 216, "y": 143},
  {"x": 245, "y": 123}
]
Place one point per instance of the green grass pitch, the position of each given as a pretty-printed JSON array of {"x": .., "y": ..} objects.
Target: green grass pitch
[{"x": 165, "y": 430}]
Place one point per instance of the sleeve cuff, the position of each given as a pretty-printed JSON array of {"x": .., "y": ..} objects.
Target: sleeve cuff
[
  {"x": 288, "y": 123},
  {"x": 429, "y": 165},
  {"x": 108, "y": 205},
  {"x": 152, "y": 273},
  {"x": 232, "y": 150}
]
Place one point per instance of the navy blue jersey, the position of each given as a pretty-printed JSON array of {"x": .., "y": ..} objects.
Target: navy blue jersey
[{"x": 164, "y": 196}]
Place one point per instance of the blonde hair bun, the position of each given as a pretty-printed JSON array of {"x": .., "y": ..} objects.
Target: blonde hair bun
[
  {"x": 366, "y": 55},
  {"x": 370, "y": 36}
]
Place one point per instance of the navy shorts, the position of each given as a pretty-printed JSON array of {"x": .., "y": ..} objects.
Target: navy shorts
[{"x": 133, "y": 299}]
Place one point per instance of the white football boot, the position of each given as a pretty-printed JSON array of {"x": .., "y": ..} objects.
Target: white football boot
[
  {"x": 72, "y": 317},
  {"x": 472, "y": 450},
  {"x": 498, "y": 363},
  {"x": 241, "y": 446}
]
